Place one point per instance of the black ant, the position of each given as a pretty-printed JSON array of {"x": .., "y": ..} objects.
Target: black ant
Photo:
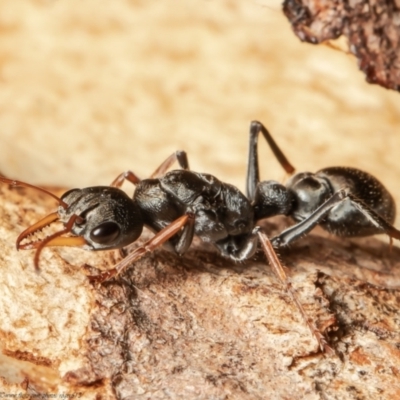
[
  {"x": 344, "y": 201},
  {"x": 176, "y": 205}
]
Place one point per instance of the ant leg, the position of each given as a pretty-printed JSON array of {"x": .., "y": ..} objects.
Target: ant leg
[
  {"x": 253, "y": 175},
  {"x": 186, "y": 237},
  {"x": 296, "y": 231},
  {"x": 179, "y": 156},
  {"x": 125, "y": 176},
  {"x": 156, "y": 241},
  {"x": 283, "y": 279},
  {"x": 248, "y": 246},
  {"x": 239, "y": 248},
  {"x": 274, "y": 147}
]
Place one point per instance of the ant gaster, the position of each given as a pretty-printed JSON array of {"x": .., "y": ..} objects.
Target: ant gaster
[{"x": 344, "y": 201}]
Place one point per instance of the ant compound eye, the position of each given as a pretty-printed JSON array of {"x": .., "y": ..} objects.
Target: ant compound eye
[{"x": 105, "y": 233}]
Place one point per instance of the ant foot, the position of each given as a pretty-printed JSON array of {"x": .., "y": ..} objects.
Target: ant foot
[{"x": 97, "y": 280}]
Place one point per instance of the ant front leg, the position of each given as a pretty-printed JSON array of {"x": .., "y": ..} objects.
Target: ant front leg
[
  {"x": 156, "y": 241},
  {"x": 186, "y": 237},
  {"x": 253, "y": 175},
  {"x": 379, "y": 224},
  {"x": 283, "y": 279},
  {"x": 130, "y": 176}
]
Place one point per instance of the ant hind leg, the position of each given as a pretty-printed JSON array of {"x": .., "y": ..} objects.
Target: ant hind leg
[
  {"x": 283, "y": 279},
  {"x": 253, "y": 175},
  {"x": 300, "y": 229}
]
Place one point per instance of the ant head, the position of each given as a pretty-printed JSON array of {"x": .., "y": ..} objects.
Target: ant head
[
  {"x": 271, "y": 198},
  {"x": 99, "y": 218},
  {"x": 107, "y": 217}
]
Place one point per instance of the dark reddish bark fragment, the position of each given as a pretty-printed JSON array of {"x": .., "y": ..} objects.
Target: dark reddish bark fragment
[{"x": 372, "y": 30}]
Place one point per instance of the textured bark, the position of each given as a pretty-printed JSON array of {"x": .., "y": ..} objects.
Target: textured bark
[
  {"x": 200, "y": 326},
  {"x": 371, "y": 28}
]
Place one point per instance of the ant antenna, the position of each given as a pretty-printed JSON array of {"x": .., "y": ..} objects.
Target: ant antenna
[{"x": 15, "y": 183}]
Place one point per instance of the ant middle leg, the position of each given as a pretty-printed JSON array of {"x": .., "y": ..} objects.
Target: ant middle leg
[
  {"x": 253, "y": 175},
  {"x": 131, "y": 177},
  {"x": 180, "y": 156},
  {"x": 376, "y": 223},
  {"x": 125, "y": 176}
]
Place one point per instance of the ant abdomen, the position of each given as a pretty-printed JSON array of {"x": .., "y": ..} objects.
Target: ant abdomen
[
  {"x": 344, "y": 201},
  {"x": 346, "y": 219}
]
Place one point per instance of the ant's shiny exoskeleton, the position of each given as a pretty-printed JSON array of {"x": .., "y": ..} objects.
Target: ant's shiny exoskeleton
[
  {"x": 179, "y": 204},
  {"x": 344, "y": 201},
  {"x": 176, "y": 205}
]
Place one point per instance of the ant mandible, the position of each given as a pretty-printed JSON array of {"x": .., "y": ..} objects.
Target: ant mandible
[{"x": 342, "y": 200}]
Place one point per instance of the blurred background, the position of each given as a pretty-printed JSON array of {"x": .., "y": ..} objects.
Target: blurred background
[{"x": 91, "y": 88}]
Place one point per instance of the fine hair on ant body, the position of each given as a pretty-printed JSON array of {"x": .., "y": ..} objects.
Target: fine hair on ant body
[{"x": 344, "y": 201}]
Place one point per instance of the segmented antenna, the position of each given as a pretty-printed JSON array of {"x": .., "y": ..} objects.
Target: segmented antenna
[{"x": 15, "y": 183}]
